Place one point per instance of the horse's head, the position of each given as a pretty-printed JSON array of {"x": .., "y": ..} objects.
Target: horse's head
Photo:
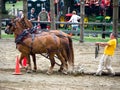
[
  {"x": 27, "y": 24},
  {"x": 10, "y": 28},
  {"x": 14, "y": 26}
]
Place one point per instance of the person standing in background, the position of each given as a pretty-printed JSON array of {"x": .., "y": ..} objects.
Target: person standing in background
[
  {"x": 20, "y": 14},
  {"x": 43, "y": 16},
  {"x": 32, "y": 16},
  {"x": 74, "y": 19}
]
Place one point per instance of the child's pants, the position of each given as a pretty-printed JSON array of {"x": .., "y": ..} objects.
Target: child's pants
[{"x": 105, "y": 63}]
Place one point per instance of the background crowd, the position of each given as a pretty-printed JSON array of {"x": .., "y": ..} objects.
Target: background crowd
[{"x": 98, "y": 7}]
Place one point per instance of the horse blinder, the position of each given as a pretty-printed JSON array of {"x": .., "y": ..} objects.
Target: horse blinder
[{"x": 8, "y": 28}]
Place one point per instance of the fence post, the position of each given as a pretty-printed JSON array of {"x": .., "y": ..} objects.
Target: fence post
[
  {"x": 82, "y": 12},
  {"x": 52, "y": 14},
  {"x": 115, "y": 16},
  {"x": 0, "y": 17}
]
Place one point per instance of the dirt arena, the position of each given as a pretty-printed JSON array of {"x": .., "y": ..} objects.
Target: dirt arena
[{"x": 84, "y": 57}]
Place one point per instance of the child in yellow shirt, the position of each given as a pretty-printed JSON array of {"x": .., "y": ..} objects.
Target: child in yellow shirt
[{"x": 105, "y": 61}]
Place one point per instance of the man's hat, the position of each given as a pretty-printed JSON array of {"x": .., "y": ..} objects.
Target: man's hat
[{"x": 43, "y": 8}]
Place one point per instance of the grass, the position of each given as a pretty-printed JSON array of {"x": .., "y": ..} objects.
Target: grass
[
  {"x": 75, "y": 38},
  {"x": 5, "y": 36},
  {"x": 91, "y": 39}
]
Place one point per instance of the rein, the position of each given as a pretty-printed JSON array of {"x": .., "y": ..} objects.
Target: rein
[
  {"x": 33, "y": 30},
  {"x": 96, "y": 51}
]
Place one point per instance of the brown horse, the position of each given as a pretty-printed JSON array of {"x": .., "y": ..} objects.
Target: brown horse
[
  {"x": 26, "y": 24},
  {"x": 36, "y": 44},
  {"x": 67, "y": 38}
]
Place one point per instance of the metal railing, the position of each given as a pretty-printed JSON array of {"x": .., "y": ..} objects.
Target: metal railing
[
  {"x": 89, "y": 23},
  {"x": 57, "y": 22}
]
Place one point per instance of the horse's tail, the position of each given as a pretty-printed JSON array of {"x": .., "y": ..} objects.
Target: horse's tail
[
  {"x": 69, "y": 46},
  {"x": 71, "y": 50},
  {"x": 66, "y": 51}
]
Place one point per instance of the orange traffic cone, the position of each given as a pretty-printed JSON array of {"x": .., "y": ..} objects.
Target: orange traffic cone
[
  {"x": 24, "y": 61},
  {"x": 17, "y": 69}
]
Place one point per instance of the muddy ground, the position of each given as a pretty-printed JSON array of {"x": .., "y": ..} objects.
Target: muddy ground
[{"x": 84, "y": 57}]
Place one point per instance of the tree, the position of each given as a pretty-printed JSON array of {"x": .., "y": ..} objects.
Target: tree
[
  {"x": 115, "y": 16},
  {"x": 25, "y": 7},
  {"x": 52, "y": 10},
  {"x": 3, "y": 8}
]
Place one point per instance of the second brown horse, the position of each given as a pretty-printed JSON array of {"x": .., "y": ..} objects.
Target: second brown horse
[
  {"x": 64, "y": 36},
  {"x": 37, "y": 44}
]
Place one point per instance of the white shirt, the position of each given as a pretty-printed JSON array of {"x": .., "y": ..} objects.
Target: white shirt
[{"x": 74, "y": 19}]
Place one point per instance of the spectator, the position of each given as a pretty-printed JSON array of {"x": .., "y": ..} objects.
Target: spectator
[
  {"x": 74, "y": 19},
  {"x": 43, "y": 16},
  {"x": 87, "y": 7},
  {"x": 20, "y": 14},
  {"x": 102, "y": 7},
  {"x": 92, "y": 6},
  {"x": 105, "y": 61},
  {"x": 32, "y": 15}
]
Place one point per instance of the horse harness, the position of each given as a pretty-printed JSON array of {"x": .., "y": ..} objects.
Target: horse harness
[
  {"x": 31, "y": 32},
  {"x": 25, "y": 34},
  {"x": 20, "y": 38}
]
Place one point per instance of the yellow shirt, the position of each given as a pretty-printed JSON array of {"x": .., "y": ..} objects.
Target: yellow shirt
[{"x": 110, "y": 49}]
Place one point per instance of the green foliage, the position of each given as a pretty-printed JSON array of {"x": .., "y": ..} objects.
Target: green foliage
[
  {"x": 18, "y": 5},
  {"x": 8, "y": 6}
]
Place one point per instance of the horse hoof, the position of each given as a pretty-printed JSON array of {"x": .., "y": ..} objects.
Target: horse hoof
[
  {"x": 49, "y": 73},
  {"x": 59, "y": 70},
  {"x": 34, "y": 70},
  {"x": 29, "y": 71},
  {"x": 22, "y": 67},
  {"x": 70, "y": 71},
  {"x": 65, "y": 72}
]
